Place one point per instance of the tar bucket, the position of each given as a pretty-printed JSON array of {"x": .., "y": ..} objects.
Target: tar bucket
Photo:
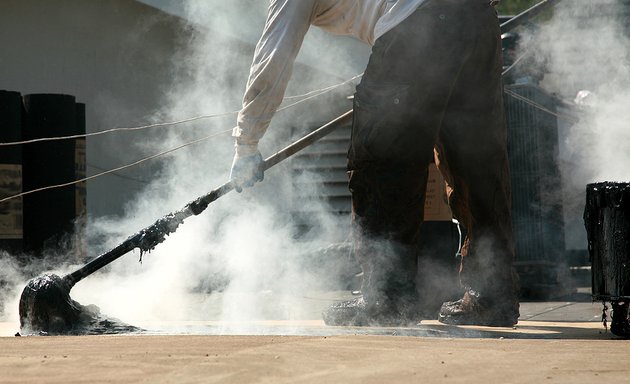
[{"x": 607, "y": 222}]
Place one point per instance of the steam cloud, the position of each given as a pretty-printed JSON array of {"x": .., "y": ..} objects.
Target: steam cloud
[
  {"x": 244, "y": 246},
  {"x": 242, "y": 249},
  {"x": 586, "y": 47}
]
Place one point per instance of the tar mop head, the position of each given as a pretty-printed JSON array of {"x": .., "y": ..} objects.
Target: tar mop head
[{"x": 46, "y": 308}]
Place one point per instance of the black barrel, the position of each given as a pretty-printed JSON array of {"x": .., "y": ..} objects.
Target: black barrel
[
  {"x": 49, "y": 215},
  {"x": 607, "y": 222},
  {"x": 10, "y": 172}
]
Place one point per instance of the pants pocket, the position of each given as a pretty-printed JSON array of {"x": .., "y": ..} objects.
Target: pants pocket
[{"x": 381, "y": 118}]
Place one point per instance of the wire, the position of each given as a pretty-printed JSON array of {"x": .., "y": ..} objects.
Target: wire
[
  {"x": 120, "y": 129},
  {"x": 316, "y": 93},
  {"x": 534, "y": 104},
  {"x": 115, "y": 169},
  {"x": 121, "y": 175},
  {"x": 307, "y": 96},
  {"x": 326, "y": 89},
  {"x": 515, "y": 63},
  {"x": 311, "y": 95}
]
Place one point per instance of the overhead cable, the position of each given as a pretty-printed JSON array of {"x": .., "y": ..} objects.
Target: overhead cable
[
  {"x": 307, "y": 96},
  {"x": 120, "y": 129},
  {"x": 115, "y": 169},
  {"x": 541, "y": 107},
  {"x": 304, "y": 97}
]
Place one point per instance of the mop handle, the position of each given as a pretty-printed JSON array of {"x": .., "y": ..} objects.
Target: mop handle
[{"x": 147, "y": 238}]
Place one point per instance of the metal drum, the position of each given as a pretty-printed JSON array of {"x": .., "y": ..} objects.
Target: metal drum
[{"x": 607, "y": 222}]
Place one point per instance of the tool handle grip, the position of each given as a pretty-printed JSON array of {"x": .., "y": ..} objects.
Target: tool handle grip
[{"x": 202, "y": 202}]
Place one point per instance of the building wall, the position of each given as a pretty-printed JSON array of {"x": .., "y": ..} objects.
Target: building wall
[{"x": 114, "y": 56}]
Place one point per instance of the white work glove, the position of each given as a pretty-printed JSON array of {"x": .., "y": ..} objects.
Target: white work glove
[{"x": 247, "y": 169}]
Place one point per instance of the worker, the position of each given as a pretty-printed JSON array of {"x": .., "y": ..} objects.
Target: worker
[{"x": 431, "y": 90}]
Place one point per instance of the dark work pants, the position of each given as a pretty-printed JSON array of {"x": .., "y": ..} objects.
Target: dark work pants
[{"x": 432, "y": 89}]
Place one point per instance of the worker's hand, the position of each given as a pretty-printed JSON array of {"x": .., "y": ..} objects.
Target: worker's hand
[{"x": 247, "y": 170}]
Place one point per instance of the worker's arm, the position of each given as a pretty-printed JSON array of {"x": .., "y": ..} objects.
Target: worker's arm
[
  {"x": 287, "y": 23},
  {"x": 285, "y": 28}
]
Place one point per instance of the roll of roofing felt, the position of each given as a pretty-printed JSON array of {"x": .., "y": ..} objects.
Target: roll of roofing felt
[
  {"x": 607, "y": 222},
  {"x": 49, "y": 216},
  {"x": 10, "y": 172}
]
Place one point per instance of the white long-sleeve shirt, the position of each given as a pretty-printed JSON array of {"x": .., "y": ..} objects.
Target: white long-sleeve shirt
[{"x": 285, "y": 28}]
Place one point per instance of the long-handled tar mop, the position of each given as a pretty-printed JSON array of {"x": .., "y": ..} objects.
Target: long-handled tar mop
[{"x": 45, "y": 304}]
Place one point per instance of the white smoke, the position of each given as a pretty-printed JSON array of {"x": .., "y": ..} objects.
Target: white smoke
[
  {"x": 588, "y": 47},
  {"x": 240, "y": 259},
  {"x": 242, "y": 249},
  {"x": 585, "y": 47},
  {"x": 11, "y": 281}
]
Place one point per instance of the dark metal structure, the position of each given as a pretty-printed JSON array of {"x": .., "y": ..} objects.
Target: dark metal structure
[{"x": 537, "y": 207}]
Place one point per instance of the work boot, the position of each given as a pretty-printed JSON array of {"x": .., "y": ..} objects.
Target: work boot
[
  {"x": 357, "y": 312},
  {"x": 474, "y": 310}
]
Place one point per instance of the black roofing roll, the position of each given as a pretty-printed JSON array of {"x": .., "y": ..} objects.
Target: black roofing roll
[
  {"x": 607, "y": 222},
  {"x": 10, "y": 171},
  {"x": 49, "y": 215}
]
